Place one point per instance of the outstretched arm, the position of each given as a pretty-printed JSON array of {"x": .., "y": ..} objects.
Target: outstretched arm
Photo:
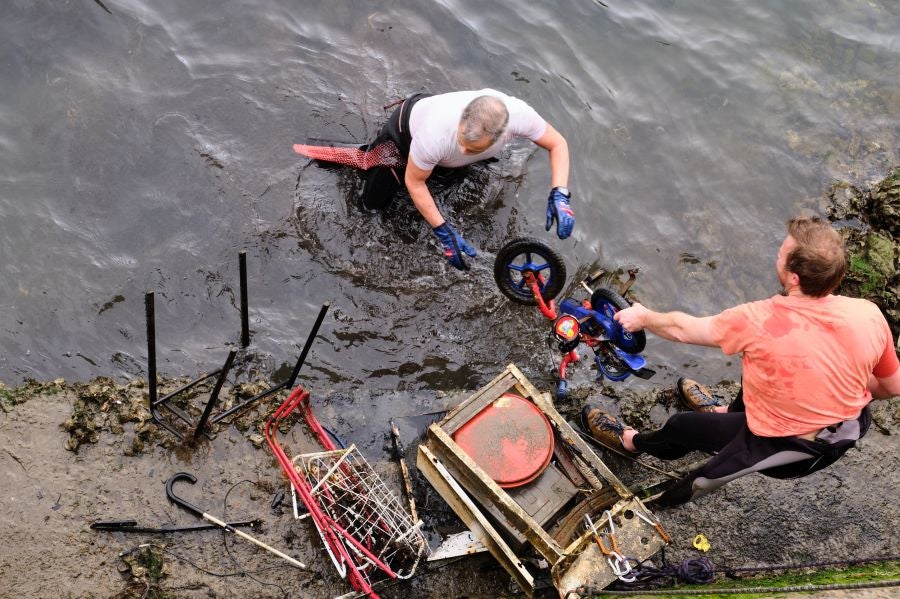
[
  {"x": 415, "y": 183},
  {"x": 674, "y": 326},
  {"x": 559, "y": 209},
  {"x": 555, "y": 143}
]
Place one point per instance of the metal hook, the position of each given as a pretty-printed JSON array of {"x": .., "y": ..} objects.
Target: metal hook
[
  {"x": 621, "y": 567},
  {"x": 178, "y": 500},
  {"x": 612, "y": 527}
]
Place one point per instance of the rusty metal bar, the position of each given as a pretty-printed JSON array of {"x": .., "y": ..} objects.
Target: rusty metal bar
[
  {"x": 574, "y": 441},
  {"x": 404, "y": 471}
]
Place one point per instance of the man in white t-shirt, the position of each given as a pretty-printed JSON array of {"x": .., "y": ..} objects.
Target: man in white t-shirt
[{"x": 459, "y": 128}]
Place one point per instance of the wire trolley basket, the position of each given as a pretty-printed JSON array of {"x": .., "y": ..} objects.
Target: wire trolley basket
[
  {"x": 358, "y": 502},
  {"x": 366, "y": 531}
]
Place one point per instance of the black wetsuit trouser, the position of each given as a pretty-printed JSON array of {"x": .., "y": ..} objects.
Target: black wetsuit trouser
[
  {"x": 739, "y": 452},
  {"x": 382, "y": 182}
]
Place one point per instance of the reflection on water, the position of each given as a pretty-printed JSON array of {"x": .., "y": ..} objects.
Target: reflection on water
[{"x": 145, "y": 144}]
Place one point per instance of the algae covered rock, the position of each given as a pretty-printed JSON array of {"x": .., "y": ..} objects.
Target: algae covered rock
[
  {"x": 868, "y": 221},
  {"x": 884, "y": 205},
  {"x": 102, "y": 404},
  {"x": 87, "y": 420},
  {"x": 147, "y": 570}
]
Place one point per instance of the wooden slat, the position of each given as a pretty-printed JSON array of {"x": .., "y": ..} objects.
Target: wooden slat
[
  {"x": 436, "y": 473},
  {"x": 574, "y": 440},
  {"x": 484, "y": 485},
  {"x": 477, "y": 402}
]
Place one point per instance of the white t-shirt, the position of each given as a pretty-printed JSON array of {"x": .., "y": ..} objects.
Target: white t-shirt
[{"x": 434, "y": 122}]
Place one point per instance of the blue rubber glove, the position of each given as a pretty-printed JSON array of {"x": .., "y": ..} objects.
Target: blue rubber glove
[
  {"x": 454, "y": 246},
  {"x": 558, "y": 209}
]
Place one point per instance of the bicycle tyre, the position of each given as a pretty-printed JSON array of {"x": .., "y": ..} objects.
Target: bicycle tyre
[
  {"x": 525, "y": 254},
  {"x": 608, "y": 301}
]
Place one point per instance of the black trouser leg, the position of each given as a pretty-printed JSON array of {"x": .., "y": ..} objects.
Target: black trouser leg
[
  {"x": 685, "y": 432},
  {"x": 383, "y": 183},
  {"x": 690, "y": 431},
  {"x": 738, "y": 451}
]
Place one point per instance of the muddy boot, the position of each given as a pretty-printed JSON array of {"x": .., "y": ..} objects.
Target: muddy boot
[
  {"x": 696, "y": 396},
  {"x": 680, "y": 492},
  {"x": 603, "y": 427}
]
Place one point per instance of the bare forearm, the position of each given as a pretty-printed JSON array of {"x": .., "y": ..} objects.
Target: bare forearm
[
  {"x": 559, "y": 165},
  {"x": 555, "y": 143},
  {"x": 674, "y": 326},
  {"x": 424, "y": 203},
  {"x": 884, "y": 388}
]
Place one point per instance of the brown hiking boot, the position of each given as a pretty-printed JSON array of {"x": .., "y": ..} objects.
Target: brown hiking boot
[
  {"x": 696, "y": 396},
  {"x": 603, "y": 427}
]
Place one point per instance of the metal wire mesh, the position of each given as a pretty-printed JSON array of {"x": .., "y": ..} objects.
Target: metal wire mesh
[{"x": 353, "y": 495}]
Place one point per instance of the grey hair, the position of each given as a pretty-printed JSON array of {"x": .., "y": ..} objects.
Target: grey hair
[{"x": 485, "y": 116}]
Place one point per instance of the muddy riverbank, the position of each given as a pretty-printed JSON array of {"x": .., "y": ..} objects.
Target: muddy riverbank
[{"x": 56, "y": 487}]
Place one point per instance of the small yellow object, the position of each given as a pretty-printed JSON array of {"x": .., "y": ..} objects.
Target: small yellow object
[{"x": 701, "y": 543}]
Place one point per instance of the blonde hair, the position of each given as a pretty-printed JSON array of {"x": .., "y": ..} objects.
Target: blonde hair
[{"x": 485, "y": 116}]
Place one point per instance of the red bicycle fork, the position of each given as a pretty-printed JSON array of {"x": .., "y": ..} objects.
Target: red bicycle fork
[
  {"x": 570, "y": 358},
  {"x": 533, "y": 282}
]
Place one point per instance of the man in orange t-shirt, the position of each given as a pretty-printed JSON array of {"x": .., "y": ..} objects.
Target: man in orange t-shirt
[{"x": 812, "y": 362}]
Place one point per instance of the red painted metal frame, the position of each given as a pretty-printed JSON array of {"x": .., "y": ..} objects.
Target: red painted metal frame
[
  {"x": 549, "y": 311},
  {"x": 329, "y": 528}
]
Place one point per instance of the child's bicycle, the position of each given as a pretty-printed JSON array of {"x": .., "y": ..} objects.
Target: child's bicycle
[{"x": 529, "y": 272}]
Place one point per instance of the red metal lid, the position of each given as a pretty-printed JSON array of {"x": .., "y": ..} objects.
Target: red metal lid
[{"x": 511, "y": 440}]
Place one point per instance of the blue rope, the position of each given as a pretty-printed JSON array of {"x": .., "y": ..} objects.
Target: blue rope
[{"x": 337, "y": 439}]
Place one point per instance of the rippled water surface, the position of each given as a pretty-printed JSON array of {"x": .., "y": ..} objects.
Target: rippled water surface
[{"x": 145, "y": 144}]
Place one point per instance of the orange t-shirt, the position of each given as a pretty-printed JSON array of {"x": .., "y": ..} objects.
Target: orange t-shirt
[{"x": 806, "y": 361}]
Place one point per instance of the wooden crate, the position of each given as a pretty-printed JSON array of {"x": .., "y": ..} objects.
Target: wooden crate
[{"x": 489, "y": 511}]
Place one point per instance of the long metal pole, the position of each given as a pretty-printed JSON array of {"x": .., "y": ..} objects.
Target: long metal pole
[
  {"x": 151, "y": 345},
  {"x": 214, "y": 396},
  {"x": 309, "y": 341},
  {"x": 245, "y": 309},
  {"x": 151, "y": 365},
  {"x": 246, "y": 403}
]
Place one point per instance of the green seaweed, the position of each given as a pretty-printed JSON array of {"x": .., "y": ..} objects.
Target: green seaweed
[
  {"x": 872, "y": 280},
  {"x": 883, "y": 572},
  {"x": 30, "y": 389},
  {"x": 869, "y": 221}
]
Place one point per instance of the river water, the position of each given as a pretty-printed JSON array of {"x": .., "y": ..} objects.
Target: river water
[{"x": 146, "y": 143}]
